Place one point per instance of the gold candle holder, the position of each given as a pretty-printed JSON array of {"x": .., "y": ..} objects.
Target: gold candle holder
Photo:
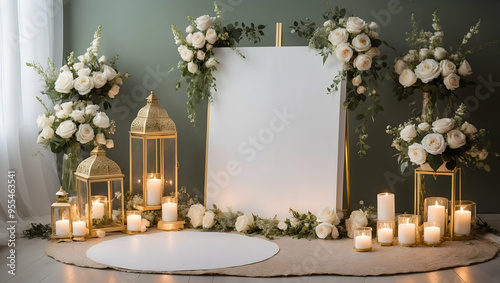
[
  {"x": 169, "y": 221},
  {"x": 80, "y": 230},
  {"x": 363, "y": 239},
  {"x": 464, "y": 220},
  {"x": 134, "y": 222},
  {"x": 436, "y": 210},
  {"x": 432, "y": 234},
  {"x": 385, "y": 232},
  {"x": 407, "y": 230}
]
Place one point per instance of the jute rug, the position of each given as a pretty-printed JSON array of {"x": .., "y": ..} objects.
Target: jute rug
[{"x": 303, "y": 257}]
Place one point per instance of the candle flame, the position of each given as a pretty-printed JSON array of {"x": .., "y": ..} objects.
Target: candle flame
[
  {"x": 436, "y": 202},
  {"x": 407, "y": 220},
  {"x": 139, "y": 181},
  {"x": 462, "y": 208},
  {"x": 386, "y": 194}
]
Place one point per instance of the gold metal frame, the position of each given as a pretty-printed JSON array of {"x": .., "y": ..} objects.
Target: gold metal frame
[
  {"x": 60, "y": 207},
  {"x": 455, "y": 175}
]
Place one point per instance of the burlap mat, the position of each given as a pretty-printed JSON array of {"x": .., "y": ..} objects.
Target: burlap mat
[{"x": 303, "y": 257}]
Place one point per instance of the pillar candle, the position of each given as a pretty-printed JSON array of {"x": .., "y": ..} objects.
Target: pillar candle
[
  {"x": 79, "y": 228},
  {"x": 385, "y": 235},
  {"x": 462, "y": 222},
  {"x": 169, "y": 211},
  {"x": 406, "y": 233},
  {"x": 362, "y": 242},
  {"x": 432, "y": 234},
  {"x": 62, "y": 227},
  {"x": 134, "y": 222},
  {"x": 436, "y": 213},
  {"x": 97, "y": 210},
  {"x": 153, "y": 188},
  {"x": 385, "y": 206}
]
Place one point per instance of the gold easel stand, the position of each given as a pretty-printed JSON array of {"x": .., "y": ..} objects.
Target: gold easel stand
[{"x": 456, "y": 178}]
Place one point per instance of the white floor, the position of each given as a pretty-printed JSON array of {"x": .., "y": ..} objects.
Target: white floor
[{"x": 34, "y": 266}]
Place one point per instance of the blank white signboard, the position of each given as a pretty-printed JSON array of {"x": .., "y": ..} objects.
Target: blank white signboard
[{"x": 275, "y": 138}]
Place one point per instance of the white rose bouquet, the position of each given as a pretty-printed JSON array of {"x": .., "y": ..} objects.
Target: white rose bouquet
[
  {"x": 197, "y": 55},
  {"x": 444, "y": 141},
  {"x": 355, "y": 43}
]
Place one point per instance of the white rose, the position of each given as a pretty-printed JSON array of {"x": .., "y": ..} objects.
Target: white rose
[
  {"x": 373, "y": 52},
  {"x": 356, "y": 220},
  {"x": 64, "y": 68},
  {"x": 103, "y": 60},
  {"x": 100, "y": 138},
  {"x": 115, "y": 89},
  {"x": 209, "y": 46},
  {"x": 66, "y": 129},
  {"x": 361, "y": 89},
  {"x": 408, "y": 133},
  {"x": 338, "y": 36},
  {"x": 434, "y": 144},
  {"x": 203, "y": 22},
  {"x": 57, "y": 107},
  {"x": 361, "y": 42},
  {"x": 145, "y": 222},
  {"x": 427, "y": 70},
  {"x": 328, "y": 215},
  {"x": 243, "y": 222},
  {"x": 211, "y": 36},
  {"x": 464, "y": 69},
  {"x": 143, "y": 228},
  {"x": 64, "y": 82},
  {"x": 357, "y": 80},
  {"x": 119, "y": 81},
  {"x": 328, "y": 23},
  {"x": 439, "y": 53},
  {"x": 373, "y": 26},
  {"x": 195, "y": 214},
  {"x": 343, "y": 52},
  {"x": 100, "y": 233},
  {"x": 101, "y": 120},
  {"x": 200, "y": 55},
  {"x": 190, "y": 29},
  {"x": 192, "y": 68},
  {"x": 45, "y": 134},
  {"x": 211, "y": 63},
  {"x": 294, "y": 222},
  {"x": 189, "y": 38},
  {"x": 44, "y": 121},
  {"x": 399, "y": 66},
  {"x": 447, "y": 68},
  {"x": 323, "y": 230},
  {"x": 355, "y": 25},
  {"x": 85, "y": 133},
  {"x": 409, "y": 57},
  {"x": 455, "y": 139},
  {"x": 452, "y": 81},
  {"x": 186, "y": 54},
  {"x": 423, "y": 52},
  {"x": 99, "y": 79},
  {"x": 424, "y": 126},
  {"x": 407, "y": 78},
  {"x": 373, "y": 34},
  {"x": 91, "y": 109},
  {"x": 198, "y": 40},
  {"x": 351, "y": 226},
  {"x": 335, "y": 232},
  {"x": 473, "y": 152},
  {"x": 83, "y": 84},
  {"x": 208, "y": 220},
  {"x": 110, "y": 143},
  {"x": 443, "y": 125},
  {"x": 66, "y": 109},
  {"x": 85, "y": 72},
  {"x": 109, "y": 72},
  {"x": 78, "y": 66},
  {"x": 77, "y": 116},
  {"x": 468, "y": 129},
  {"x": 483, "y": 154},
  {"x": 417, "y": 153},
  {"x": 363, "y": 62},
  {"x": 282, "y": 226}
]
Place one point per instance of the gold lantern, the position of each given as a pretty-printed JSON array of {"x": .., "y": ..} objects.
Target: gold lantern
[
  {"x": 100, "y": 193},
  {"x": 62, "y": 218},
  {"x": 153, "y": 155}
]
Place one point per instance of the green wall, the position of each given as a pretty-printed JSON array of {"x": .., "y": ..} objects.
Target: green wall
[{"x": 140, "y": 32}]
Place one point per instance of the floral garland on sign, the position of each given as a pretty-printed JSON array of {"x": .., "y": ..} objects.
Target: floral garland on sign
[
  {"x": 355, "y": 43},
  {"x": 197, "y": 56}
]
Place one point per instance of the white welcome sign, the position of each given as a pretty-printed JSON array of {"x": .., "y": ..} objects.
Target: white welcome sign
[{"x": 275, "y": 138}]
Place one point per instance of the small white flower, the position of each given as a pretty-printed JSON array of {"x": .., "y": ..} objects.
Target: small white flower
[
  {"x": 100, "y": 138},
  {"x": 78, "y": 116},
  {"x": 211, "y": 36},
  {"x": 203, "y": 22},
  {"x": 44, "y": 121},
  {"x": 100, "y": 79},
  {"x": 244, "y": 222},
  {"x": 115, "y": 89},
  {"x": 408, "y": 133},
  {"x": 443, "y": 125},
  {"x": 464, "y": 69},
  {"x": 211, "y": 63},
  {"x": 109, "y": 72},
  {"x": 361, "y": 89},
  {"x": 110, "y": 143},
  {"x": 424, "y": 126},
  {"x": 356, "y": 81},
  {"x": 91, "y": 109},
  {"x": 208, "y": 220},
  {"x": 45, "y": 134},
  {"x": 190, "y": 29},
  {"x": 103, "y": 60},
  {"x": 192, "y": 68},
  {"x": 282, "y": 226},
  {"x": 101, "y": 120},
  {"x": 200, "y": 55}
]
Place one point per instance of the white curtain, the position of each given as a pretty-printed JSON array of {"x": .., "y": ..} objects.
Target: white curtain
[{"x": 30, "y": 31}]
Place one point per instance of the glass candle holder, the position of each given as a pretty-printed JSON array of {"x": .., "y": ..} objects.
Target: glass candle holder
[
  {"x": 432, "y": 234},
  {"x": 363, "y": 239},
  {"x": 99, "y": 206},
  {"x": 169, "y": 209},
  {"x": 134, "y": 220},
  {"x": 407, "y": 230},
  {"x": 385, "y": 232},
  {"x": 464, "y": 219},
  {"x": 79, "y": 227},
  {"x": 436, "y": 210}
]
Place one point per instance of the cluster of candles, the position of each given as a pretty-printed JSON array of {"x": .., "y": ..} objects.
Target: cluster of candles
[{"x": 436, "y": 216}]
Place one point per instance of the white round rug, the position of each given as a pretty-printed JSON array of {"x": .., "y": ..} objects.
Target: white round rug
[{"x": 182, "y": 250}]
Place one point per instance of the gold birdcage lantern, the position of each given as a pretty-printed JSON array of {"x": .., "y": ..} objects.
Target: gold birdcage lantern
[
  {"x": 100, "y": 193},
  {"x": 61, "y": 218},
  {"x": 153, "y": 155}
]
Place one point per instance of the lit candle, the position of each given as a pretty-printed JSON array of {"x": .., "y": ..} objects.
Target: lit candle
[
  {"x": 385, "y": 206},
  {"x": 462, "y": 222},
  {"x": 153, "y": 191},
  {"x": 432, "y": 234},
  {"x": 363, "y": 242},
  {"x": 385, "y": 235},
  {"x": 134, "y": 222},
  {"x": 62, "y": 227},
  {"x": 169, "y": 211},
  {"x": 436, "y": 213},
  {"x": 79, "y": 228},
  {"x": 406, "y": 233},
  {"x": 97, "y": 210}
]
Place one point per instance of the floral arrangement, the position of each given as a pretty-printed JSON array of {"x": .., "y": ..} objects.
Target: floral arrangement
[
  {"x": 449, "y": 141},
  {"x": 197, "y": 56},
  {"x": 355, "y": 43}
]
